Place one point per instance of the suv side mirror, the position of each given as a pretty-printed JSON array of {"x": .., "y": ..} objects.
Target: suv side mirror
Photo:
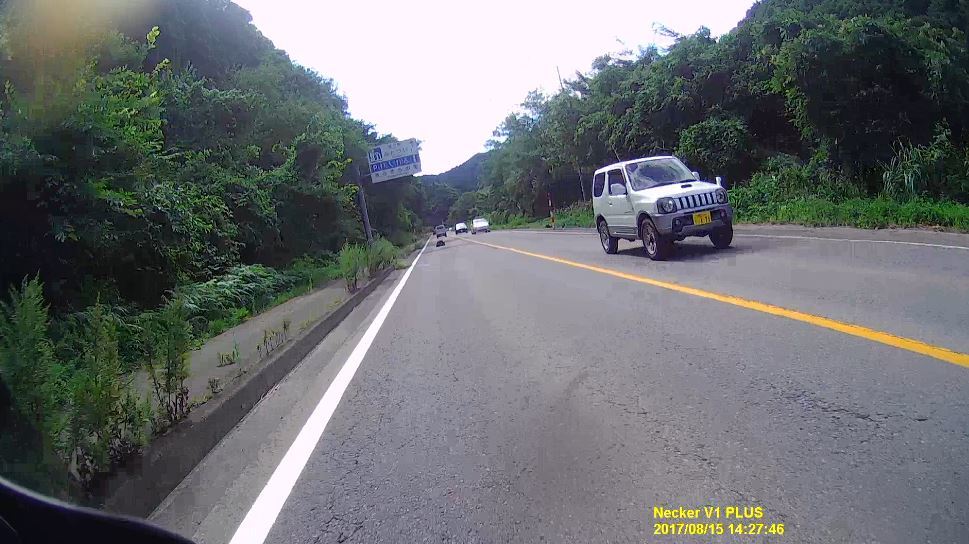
[
  {"x": 696, "y": 175},
  {"x": 720, "y": 181},
  {"x": 617, "y": 189}
]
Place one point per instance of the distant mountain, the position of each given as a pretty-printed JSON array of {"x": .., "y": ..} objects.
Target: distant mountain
[{"x": 464, "y": 177}]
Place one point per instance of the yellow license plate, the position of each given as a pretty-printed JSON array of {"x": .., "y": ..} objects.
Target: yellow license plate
[{"x": 702, "y": 218}]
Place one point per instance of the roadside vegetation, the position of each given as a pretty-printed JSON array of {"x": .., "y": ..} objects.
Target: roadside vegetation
[
  {"x": 768, "y": 200},
  {"x": 782, "y": 196},
  {"x": 577, "y": 215},
  {"x": 823, "y": 113},
  {"x": 165, "y": 174},
  {"x": 72, "y": 414}
]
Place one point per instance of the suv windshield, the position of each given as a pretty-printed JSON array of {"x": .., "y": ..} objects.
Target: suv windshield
[{"x": 656, "y": 172}]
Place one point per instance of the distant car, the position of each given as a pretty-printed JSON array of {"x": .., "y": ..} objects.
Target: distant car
[
  {"x": 480, "y": 224},
  {"x": 659, "y": 201},
  {"x": 460, "y": 227},
  {"x": 440, "y": 230}
]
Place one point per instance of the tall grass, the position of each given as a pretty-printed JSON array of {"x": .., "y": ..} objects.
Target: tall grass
[
  {"x": 353, "y": 261},
  {"x": 812, "y": 196},
  {"x": 356, "y": 261},
  {"x": 511, "y": 221},
  {"x": 313, "y": 271},
  {"x": 380, "y": 255},
  {"x": 934, "y": 170},
  {"x": 579, "y": 214},
  {"x": 866, "y": 213}
]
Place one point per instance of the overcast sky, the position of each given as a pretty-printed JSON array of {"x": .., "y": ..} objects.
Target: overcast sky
[{"x": 447, "y": 72}]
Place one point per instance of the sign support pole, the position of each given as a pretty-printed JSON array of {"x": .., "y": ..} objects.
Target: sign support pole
[
  {"x": 551, "y": 210},
  {"x": 363, "y": 207}
]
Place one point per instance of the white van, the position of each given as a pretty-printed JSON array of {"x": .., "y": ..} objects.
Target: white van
[{"x": 480, "y": 224}]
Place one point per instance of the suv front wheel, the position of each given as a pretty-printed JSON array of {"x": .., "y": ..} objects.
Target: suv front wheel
[
  {"x": 722, "y": 237},
  {"x": 657, "y": 246},
  {"x": 610, "y": 244}
]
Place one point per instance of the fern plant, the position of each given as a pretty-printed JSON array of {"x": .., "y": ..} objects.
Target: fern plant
[{"x": 244, "y": 286}]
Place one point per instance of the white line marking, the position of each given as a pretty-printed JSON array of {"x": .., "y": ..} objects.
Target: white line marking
[
  {"x": 261, "y": 517},
  {"x": 793, "y": 237},
  {"x": 850, "y": 240}
]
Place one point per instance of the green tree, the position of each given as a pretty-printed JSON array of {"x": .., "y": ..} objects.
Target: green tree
[
  {"x": 863, "y": 84},
  {"x": 107, "y": 421},
  {"x": 464, "y": 208},
  {"x": 28, "y": 367},
  {"x": 717, "y": 146},
  {"x": 167, "y": 339}
]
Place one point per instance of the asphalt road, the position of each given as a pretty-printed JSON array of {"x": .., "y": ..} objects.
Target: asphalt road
[{"x": 509, "y": 398}]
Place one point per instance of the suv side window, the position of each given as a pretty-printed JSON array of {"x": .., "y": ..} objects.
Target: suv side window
[
  {"x": 598, "y": 184},
  {"x": 615, "y": 176}
]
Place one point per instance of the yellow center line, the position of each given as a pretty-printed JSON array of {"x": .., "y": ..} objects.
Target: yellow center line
[{"x": 908, "y": 344}]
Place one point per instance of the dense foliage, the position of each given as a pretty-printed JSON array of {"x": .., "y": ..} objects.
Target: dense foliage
[
  {"x": 165, "y": 172},
  {"x": 849, "y": 98},
  {"x": 144, "y": 148}
]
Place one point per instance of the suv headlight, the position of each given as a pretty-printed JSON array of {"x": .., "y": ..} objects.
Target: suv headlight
[
  {"x": 666, "y": 205},
  {"x": 721, "y": 196}
]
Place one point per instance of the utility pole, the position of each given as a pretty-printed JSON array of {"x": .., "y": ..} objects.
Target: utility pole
[
  {"x": 362, "y": 199},
  {"x": 551, "y": 209}
]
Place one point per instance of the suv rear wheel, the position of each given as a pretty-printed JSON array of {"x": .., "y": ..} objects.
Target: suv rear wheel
[
  {"x": 657, "y": 247},
  {"x": 610, "y": 244}
]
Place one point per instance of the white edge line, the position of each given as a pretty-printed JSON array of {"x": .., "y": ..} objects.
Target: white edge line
[
  {"x": 850, "y": 240},
  {"x": 264, "y": 511},
  {"x": 793, "y": 237}
]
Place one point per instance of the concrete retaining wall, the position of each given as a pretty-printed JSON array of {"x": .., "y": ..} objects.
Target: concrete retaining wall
[{"x": 146, "y": 480}]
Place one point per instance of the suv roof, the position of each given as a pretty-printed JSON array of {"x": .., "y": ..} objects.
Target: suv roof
[{"x": 624, "y": 163}]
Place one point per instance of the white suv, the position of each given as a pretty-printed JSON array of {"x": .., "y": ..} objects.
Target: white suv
[{"x": 658, "y": 200}]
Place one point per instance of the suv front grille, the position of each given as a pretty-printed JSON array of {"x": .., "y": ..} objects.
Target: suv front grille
[{"x": 696, "y": 201}]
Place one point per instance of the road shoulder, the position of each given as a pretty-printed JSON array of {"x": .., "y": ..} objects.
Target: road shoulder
[
  {"x": 945, "y": 240},
  {"x": 205, "y": 505}
]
